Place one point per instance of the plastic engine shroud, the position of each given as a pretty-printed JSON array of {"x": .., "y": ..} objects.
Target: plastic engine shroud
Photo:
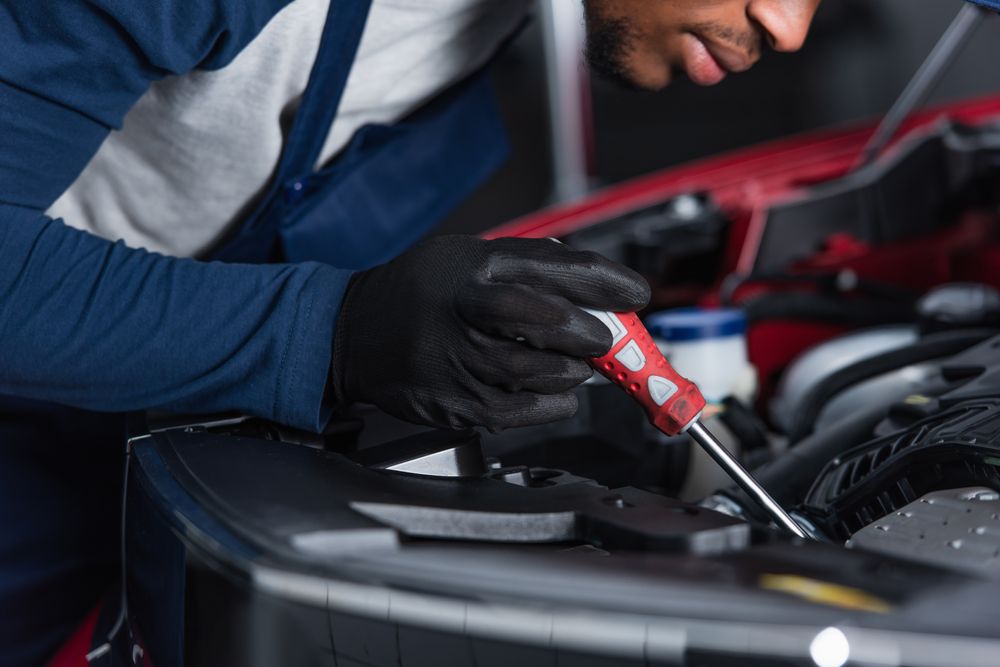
[{"x": 958, "y": 447}]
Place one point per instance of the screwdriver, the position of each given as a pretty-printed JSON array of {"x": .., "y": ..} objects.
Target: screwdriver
[{"x": 673, "y": 403}]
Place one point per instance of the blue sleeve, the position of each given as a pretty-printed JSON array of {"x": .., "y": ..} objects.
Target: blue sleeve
[
  {"x": 89, "y": 323},
  {"x": 990, "y": 4}
]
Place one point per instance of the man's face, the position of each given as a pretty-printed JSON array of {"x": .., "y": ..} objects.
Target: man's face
[{"x": 641, "y": 43}]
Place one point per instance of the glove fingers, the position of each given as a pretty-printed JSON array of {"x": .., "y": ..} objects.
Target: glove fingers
[
  {"x": 500, "y": 410},
  {"x": 542, "y": 321},
  {"x": 514, "y": 367},
  {"x": 585, "y": 278}
]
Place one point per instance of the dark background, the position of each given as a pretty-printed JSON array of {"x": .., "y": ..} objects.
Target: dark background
[{"x": 858, "y": 58}]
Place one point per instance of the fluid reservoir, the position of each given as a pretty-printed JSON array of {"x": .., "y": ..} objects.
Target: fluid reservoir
[{"x": 709, "y": 347}]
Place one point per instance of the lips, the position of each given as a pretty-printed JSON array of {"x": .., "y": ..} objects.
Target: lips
[
  {"x": 708, "y": 64},
  {"x": 702, "y": 67}
]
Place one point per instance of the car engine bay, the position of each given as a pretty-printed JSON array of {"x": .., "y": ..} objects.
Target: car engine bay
[{"x": 872, "y": 308}]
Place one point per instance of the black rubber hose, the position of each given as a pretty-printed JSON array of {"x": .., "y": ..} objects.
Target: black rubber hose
[
  {"x": 749, "y": 429},
  {"x": 789, "y": 477},
  {"x": 934, "y": 346},
  {"x": 834, "y": 309},
  {"x": 823, "y": 283}
]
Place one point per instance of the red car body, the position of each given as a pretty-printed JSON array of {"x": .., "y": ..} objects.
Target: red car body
[{"x": 748, "y": 183}]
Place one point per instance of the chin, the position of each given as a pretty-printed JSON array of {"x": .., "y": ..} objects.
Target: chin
[{"x": 650, "y": 79}]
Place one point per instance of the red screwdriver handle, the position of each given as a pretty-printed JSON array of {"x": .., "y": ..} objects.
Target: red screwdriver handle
[{"x": 672, "y": 403}]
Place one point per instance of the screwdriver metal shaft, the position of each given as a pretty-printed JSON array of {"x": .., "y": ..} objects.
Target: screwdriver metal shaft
[{"x": 734, "y": 469}]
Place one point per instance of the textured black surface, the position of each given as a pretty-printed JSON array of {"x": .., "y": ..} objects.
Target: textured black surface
[{"x": 959, "y": 447}]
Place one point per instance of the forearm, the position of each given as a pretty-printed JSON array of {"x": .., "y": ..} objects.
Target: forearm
[{"x": 97, "y": 325}]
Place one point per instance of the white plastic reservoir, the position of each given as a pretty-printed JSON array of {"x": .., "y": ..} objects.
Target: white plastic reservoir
[{"x": 709, "y": 347}]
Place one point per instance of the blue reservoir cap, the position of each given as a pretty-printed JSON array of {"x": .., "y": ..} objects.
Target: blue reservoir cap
[{"x": 688, "y": 324}]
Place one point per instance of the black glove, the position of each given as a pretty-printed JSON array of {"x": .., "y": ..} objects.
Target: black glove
[{"x": 462, "y": 332}]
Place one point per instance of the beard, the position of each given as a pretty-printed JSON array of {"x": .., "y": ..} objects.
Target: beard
[{"x": 610, "y": 43}]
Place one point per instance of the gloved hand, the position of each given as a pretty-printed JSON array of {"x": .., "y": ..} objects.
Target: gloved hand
[{"x": 462, "y": 332}]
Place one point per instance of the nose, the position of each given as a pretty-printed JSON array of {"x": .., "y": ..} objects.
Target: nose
[{"x": 785, "y": 22}]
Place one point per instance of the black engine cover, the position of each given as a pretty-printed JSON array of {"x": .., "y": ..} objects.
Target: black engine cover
[{"x": 957, "y": 448}]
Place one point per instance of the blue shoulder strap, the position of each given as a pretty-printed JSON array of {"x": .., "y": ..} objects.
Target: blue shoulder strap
[
  {"x": 345, "y": 23},
  {"x": 991, "y": 4},
  {"x": 388, "y": 187}
]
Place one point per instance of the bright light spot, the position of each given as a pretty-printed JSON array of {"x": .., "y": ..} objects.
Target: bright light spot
[{"x": 830, "y": 648}]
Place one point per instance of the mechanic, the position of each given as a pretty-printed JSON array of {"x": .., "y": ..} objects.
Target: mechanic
[{"x": 140, "y": 140}]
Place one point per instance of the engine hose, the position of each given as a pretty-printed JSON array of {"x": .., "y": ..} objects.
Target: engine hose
[
  {"x": 749, "y": 429},
  {"x": 857, "y": 312},
  {"x": 828, "y": 282},
  {"x": 789, "y": 477},
  {"x": 933, "y": 346}
]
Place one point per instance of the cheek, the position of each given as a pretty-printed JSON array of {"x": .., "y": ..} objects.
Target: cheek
[{"x": 650, "y": 66}]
